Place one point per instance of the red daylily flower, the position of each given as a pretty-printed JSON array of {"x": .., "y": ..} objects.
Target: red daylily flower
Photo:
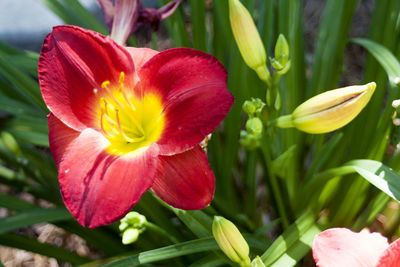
[
  {"x": 342, "y": 247},
  {"x": 124, "y": 120}
]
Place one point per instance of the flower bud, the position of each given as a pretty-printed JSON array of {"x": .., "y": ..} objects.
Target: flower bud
[
  {"x": 249, "y": 107},
  {"x": 10, "y": 143},
  {"x": 254, "y": 126},
  {"x": 130, "y": 236},
  {"x": 248, "y": 39},
  {"x": 134, "y": 219},
  {"x": 231, "y": 241},
  {"x": 329, "y": 111},
  {"x": 132, "y": 225},
  {"x": 249, "y": 141},
  {"x": 281, "y": 51}
]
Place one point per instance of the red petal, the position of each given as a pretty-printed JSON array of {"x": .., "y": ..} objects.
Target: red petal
[
  {"x": 342, "y": 247},
  {"x": 60, "y": 137},
  {"x": 99, "y": 188},
  {"x": 141, "y": 55},
  {"x": 192, "y": 85},
  {"x": 185, "y": 180},
  {"x": 73, "y": 62},
  {"x": 391, "y": 256}
]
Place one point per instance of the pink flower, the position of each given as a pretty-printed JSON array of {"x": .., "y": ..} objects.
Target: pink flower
[
  {"x": 124, "y": 17},
  {"x": 124, "y": 120},
  {"x": 344, "y": 248}
]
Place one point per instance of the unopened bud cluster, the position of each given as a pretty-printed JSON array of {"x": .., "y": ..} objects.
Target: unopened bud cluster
[
  {"x": 131, "y": 226},
  {"x": 250, "y": 138}
]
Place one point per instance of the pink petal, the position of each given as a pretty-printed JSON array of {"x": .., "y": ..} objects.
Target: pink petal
[
  {"x": 342, "y": 247},
  {"x": 60, "y": 137},
  {"x": 185, "y": 180},
  {"x": 125, "y": 17},
  {"x": 108, "y": 10},
  {"x": 391, "y": 256},
  {"x": 99, "y": 188},
  {"x": 192, "y": 85},
  {"x": 73, "y": 63},
  {"x": 141, "y": 55}
]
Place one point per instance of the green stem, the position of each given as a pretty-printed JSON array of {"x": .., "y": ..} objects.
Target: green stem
[
  {"x": 155, "y": 228},
  {"x": 275, "y": 187}
]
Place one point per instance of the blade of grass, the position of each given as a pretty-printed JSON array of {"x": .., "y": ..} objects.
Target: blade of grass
[
  {"x": 34, "y": 216},
  {"x": 29, "y": 244}
]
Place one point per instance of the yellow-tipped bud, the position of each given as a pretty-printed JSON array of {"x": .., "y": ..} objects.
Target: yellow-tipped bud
[
  {"x": 248, "y": 39},
  {"x": 329, "y": 111},
  {"x": 231, "y": 241}
]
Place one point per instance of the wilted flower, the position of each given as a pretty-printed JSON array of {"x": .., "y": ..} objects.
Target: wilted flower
[
  {"x": 330, "y": 110},
  {"x": 231, "y": 241},
  {"x": 124, "y": 120},
  {"x": 342, "y": 247},
  {"x": 124, "y": 17}
]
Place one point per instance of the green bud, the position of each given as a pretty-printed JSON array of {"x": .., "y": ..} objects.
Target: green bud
[
  {"x": 249, "y": 107},
  {"x": 130, "y": 236},
  {"x": 134, "y": 219},
  {"x": 253, "y": 106},
  {"x": 254, "y": 126},
  {"x": 282, "y": 51},
  {"x": 249, "y": 141},
  {"x": 231, "y": 241},
  {"x": 10, "y": 143},
  {"x": 132, "y": 225},
  {"x": 257, "y": 262}
]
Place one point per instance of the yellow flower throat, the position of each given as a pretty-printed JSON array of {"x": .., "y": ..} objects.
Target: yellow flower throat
[{"x": 129, "y": 122}]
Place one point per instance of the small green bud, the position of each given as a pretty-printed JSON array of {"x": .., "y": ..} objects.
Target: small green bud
[
  {"x": 253, "y": 106},
  {"x": 132, "y": 225},
  {"x": 130, "y": 236},
  {"x": 231, "y": 241},
  {"x": 257, "y": 262},
  {"x": 282, "y": 50},
  {"x": 249, "y": 141},
  {"x": 249, "y": 107},
  {"x": 254, "y": 126},
  {"x": 134, "y": 219},
  {"x": 10, "y": 143}
]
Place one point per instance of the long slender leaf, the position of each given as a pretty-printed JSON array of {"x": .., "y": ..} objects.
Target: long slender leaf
[
  {"x": 379, "y": 175},
  {"x": 293, "y": 244},
  {"x": 29, "y": 244},
  {"x": 30, "y": 217},
  {"x": 384, "y": 56},
  {"x": 185, "y": 248}
]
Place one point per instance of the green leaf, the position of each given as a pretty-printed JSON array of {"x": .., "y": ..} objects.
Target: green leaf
[
  {"x": 383, "y": 55},
  {"x": 185, "y": 248},
  {"x": 34, "y": 216},
  {"x": 379, "y": 175},
  {"x": 28, "y": 244},
  {"x": 293, "y": 244}
]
